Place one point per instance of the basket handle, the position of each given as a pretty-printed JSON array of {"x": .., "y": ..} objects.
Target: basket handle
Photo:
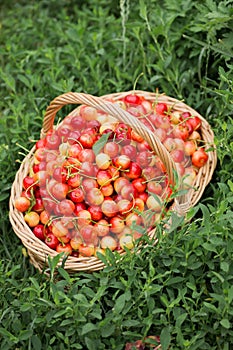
[{"x": 115, "y": 111}]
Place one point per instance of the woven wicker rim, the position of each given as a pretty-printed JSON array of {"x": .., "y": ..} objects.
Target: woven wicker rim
[{"x": 38, "y": 250}]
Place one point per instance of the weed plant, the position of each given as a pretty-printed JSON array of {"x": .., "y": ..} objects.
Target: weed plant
[{"x": 180, "y": 289}]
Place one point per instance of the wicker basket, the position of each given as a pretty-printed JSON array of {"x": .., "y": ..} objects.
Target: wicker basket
[{"x": 38, "y": 250}]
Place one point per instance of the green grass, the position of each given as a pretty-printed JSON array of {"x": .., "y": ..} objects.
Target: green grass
[{"x": 182, "y": 288}]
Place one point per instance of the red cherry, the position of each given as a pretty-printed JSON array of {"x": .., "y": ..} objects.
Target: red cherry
[
  {"x": 132, "y": 99},
  {"x": 135, "y": 171},
  {"x": 195, "y": 122},
  {"x": 96, "y": 212},
  {"x": 22, "y": 204},
  {"x": 94, "y": 196},
  {"x": 51, "y": 241},
  {"x": 143, "y": 159},
  {"x": 124, "y": 206},
  {"x": 117, "y": 224},
  {"x": 130, "y": 151},
  {"x": 28, "y": 181},
  {"x": 161, "y": 108},
  {"x": 74, "y": 180},
  {"x": 39, "y": 231},
  {"x": 103, "y": 177},
  {"x": 73, "y": 137},
  {"x": 94, "y": 124},
  {"x": 39, "y": 205},
  {"x": 77, "y": 195},
  {"x": 60, "y": 174},
  {"x": 86, "y": 155},
  {"x": 87, "y": 140},
  {"x": 139, "y": 184},
  {"x": 79, "y": 206},
  {"x": 53, "y": 141},
  {"x": 40, "y": 143},
  {"x": 199, "y": 158},
  {"x": 112, "y": 149},
  {"x": 40, "y": 166},
  {"x": 60, "y": 190},
  {"x": 122, "y": 161},
  {"x": 154, "y": 187},
  {"x": 87, "y": 168},
  {"x": 64, "y": 248},
  {"x": 109, "y": 208},
  {"x": 78, "y": 123},
  {"x": 63, "y": 132},
  {"x": 123, "y": 134},
  {"x": 177, "y": 155},
  {"x": 74, "y": 150},
  {"x": 143, "y": 146},
  {"x": 66, "y": 207},
  {"x": 129, "y": 192},
  {"x": 136, "y": 137}
]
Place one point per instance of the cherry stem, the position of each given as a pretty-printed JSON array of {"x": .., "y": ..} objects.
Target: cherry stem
[{"x": 47, "y": 188}]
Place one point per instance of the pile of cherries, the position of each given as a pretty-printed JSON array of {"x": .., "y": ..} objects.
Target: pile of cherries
[{"x": 95, "y": 183}]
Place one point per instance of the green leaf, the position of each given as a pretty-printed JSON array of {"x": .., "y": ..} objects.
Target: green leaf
[
  {"x": 107, "y": 330},
  {"x": 120, "y": 304},
  {"x": 88, "y": 327},
  {"x": 180, "y": 319},
  {"x": 8, "y": 335},
  {"x": 230, "y": 294},
  {"x": 230, "y": 184},
  {"x": 210, "y": 247},
  {"x": 90, "y": 343},
  {"x": 211, "y": 307},
  {"x": 206, "y": 216},
  {"x": 225, "y": 323},
  {"x": 98, "y": 145},
  {"x": 143, "y": 11},
  {"x": 25, "y": 334},
  {"x": 4, "y": 196},
  {"x": 131, "y": 323},
  {"x": 36, "y": 342},
  {"x": 224, "y": 266},
  {"x": 165, "y": 338},
  {"x": 64, "y": 274},
  {"x": 176, "y": 221},
  {"x": 24, "y": 80},
  {"x": 174, "y": 280}
]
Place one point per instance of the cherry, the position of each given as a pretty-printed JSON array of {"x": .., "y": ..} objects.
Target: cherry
[
  {"x": 22, "y": 204},
  {"x": 139, "y": 184},
  {"x": 109, "y": 208},
  {"x": 199, "y": 158},
  {"x": 51, "y": 241},
  {"x": 132, "y": 99},
  {"x": 111, "y": 149},
  {"x": 117, "y": 224},
  {"x": 53, "y": 141},
  {"x": 87, "y": 140},
  {"x": 94, "y": 196},
  {"x": 60, "y": 190},
  {"x": 96, "y": 212},
  {"x": 86, "y": 155},
  {"x": 135, "y": 171},
  {"x": 77, "y": 195},
  {"x": 102, "y": 227},
  {"x": 66, "y": 207},
  {"x": 78, "y": 123},
  {"x": 161, "y": 108},
  {"x": 88, "y": 184},
  {"x": 130, "y": 151},
  {"x": 39, "y": 231}
]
